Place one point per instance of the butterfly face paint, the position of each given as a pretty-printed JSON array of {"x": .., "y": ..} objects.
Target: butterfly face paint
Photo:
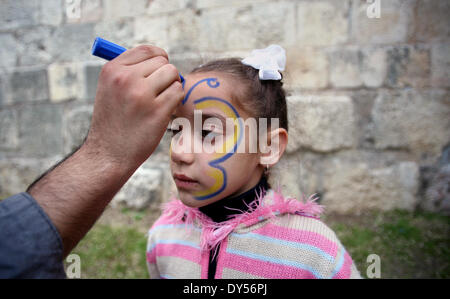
[{"x": 203, "y": 95}]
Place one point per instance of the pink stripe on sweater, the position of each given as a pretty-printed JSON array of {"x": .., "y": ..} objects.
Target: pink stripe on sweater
[
  {"x": 263, "y": 268},
  {"x": 177, "y": 250},
  {"x": 204, "y": 266},
  {"x": 346, "y": 268},
  {"x": 151, "y": 258},
  {"x": 220, "y": 262},
  {"x": 299, "y": 236},
  {"x": 163, "y": 220}
]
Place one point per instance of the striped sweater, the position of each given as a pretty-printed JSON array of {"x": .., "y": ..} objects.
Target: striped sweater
[{"x": 277, "y": 237}]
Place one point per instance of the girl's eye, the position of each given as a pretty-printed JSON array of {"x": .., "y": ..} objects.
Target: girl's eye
[
  {"x": 211, "y": 133},
  {"x": 205, "y": 133}
]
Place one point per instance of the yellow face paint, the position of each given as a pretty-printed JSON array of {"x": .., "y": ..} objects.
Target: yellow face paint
[
  {"x": 231, "y": 142},
  {"x": 230, "y": 114},
  {"x": 216, "y": 171}
]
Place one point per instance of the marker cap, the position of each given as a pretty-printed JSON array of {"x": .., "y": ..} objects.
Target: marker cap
[{"x": 106, "y": 49}]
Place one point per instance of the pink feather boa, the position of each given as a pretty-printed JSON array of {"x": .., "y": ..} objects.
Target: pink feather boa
[{"x": 260, "y": 209}]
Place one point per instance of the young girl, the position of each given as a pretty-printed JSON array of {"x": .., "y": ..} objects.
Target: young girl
[{"x": 227, "y": 221}]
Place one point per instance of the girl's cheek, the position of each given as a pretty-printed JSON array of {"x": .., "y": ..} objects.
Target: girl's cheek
[{"x": 206, "y": 167}]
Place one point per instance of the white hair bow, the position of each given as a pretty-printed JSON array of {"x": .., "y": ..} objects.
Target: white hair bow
[{"x": 268, "y": 61}]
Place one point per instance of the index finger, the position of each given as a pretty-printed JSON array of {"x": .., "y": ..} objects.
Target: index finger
[{"x": 139, "y": 54}]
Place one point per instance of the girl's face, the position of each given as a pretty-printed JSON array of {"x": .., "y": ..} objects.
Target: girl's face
[{"x": 209, "y": 153}]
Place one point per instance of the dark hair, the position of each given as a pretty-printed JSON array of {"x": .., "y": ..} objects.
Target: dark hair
[{"x": 260, "y": 98}]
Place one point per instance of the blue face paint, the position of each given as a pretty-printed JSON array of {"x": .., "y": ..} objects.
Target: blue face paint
[
  {"x": 212, "y": 82},
  {"x": 218, "y": 172}
]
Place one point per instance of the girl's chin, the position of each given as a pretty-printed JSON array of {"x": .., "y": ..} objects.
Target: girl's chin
[{"x": 190, "y": 200}]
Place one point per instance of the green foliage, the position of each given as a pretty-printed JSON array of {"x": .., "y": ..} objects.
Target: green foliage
[
  {"x": 111, "y": 252},
  {"x": 410, "y": 245}
]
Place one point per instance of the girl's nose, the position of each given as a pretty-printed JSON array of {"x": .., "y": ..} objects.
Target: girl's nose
[{"x": 181, "y": 150}]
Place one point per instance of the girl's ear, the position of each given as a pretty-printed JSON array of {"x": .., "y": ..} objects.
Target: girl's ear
[{"x": 274, "y": 147}]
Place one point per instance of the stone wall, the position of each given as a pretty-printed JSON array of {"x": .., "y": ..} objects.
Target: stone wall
[{"x": 369, "y": 106}]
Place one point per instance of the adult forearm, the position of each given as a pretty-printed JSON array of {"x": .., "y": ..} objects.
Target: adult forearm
[
  {"x": 136, "y": 94},
  {"x": 75, "y": 193}
]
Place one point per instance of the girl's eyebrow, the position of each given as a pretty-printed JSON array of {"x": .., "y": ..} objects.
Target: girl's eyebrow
[
  {"x": 205, "y": 115},
  {"x": 213, "y": 114}
]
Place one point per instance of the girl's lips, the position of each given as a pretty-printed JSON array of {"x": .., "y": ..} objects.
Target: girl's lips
[
  {"x": 183, "y": 177},
  {"x": 184, "y": 182}
]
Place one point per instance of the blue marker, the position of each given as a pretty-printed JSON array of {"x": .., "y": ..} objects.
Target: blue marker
[{"x": 108, "y": 50}]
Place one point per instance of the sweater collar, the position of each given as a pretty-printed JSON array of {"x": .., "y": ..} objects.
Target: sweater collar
[{"x": 227, "y": 207}]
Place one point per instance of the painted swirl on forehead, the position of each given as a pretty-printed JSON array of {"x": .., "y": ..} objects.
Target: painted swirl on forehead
[
  {"x": 212, "y": 82},
  {"x": 217, "y": 171}
]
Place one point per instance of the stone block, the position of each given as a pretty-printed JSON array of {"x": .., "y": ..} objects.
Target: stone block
[
  {"x": 408, "y": 66},
  {"x": 183, "y": 32},
  {"x": 76, "y": 127},
  {"x": 374, "y": 67},
  {"x": 186, "y": 64},
  {"x": 27, "y": 85},
  {"x": 83, "y": 11},
  {"x": 151, "y": 30},
  {"x": 322, "y": 23},
  {"x": 432, "y": 22},
  {"x": 51, "y": 12},
  {"x": 65, "y": 81},
  {"x": 40, "y": 130},
  {"x": 120, "y": 31},
  {"x": 297, "y": 174},
  {"x": 437, "y": 196},
  {"x": 9, "y": 129},
  {"x": 71, "y": 42},
  {"x": 18, "y": 173},
  {"x": 440, "y": 65},
  {"x": 345, "y": 68},
  {"x": 8, "y": 54},
  {"x": 320, "y": 123},
  {"x": 91, "y": 72},
  {"x": 392, "y": 26},
  {"x": 285, "y": 174},
  {"x": 436, "y": 182},
  {"x": 158, "y": 7},
  {"x": 353, "y": 188},
  {"x": 271, "y": 23},
  {"x": 33, "y": 46},
  {"x": 19, "y": 13},
  {"x": 306, "y": 68},
  {"x": 202, "y": 4},
  {"x": 353, "y": 67},
  {"x": 363, "y": 101},
  {"x": 412, "y": 120},
  {"x": 142, "y": 190},
  {"x": 253, "y": 26},
  {"x": 2, "y": 90},
  {"x": 116, "y": 9}
]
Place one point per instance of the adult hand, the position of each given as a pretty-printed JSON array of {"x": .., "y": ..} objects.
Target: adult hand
[{"x": 137, "y": 92}]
